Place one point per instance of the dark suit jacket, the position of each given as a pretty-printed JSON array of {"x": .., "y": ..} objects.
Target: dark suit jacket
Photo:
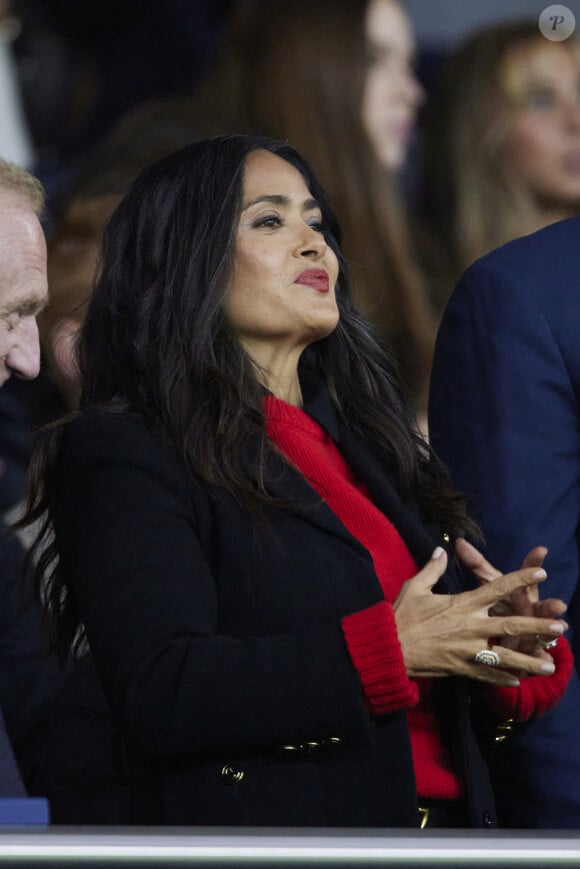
[
  {"x": 504, "y": 415},
  {"x": 219, "y": 641},
  {"x": 10, "y": 781}
]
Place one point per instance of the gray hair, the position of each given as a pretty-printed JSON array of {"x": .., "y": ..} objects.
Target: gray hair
[{"x": 17, "y": 179}]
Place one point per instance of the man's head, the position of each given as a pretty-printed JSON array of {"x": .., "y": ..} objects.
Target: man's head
[{"x": 23, "y": 282}]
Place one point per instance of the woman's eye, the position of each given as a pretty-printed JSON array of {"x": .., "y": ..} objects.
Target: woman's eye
[
  {"x": 540, "y": 99},
  {"x": 268, "y": 222},
  {"x": 317, "y": 225}
]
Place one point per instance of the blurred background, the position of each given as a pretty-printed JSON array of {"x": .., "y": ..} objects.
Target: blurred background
[
  {"x": 442, "y": 22},
  {"x": 69, "y": 69}
]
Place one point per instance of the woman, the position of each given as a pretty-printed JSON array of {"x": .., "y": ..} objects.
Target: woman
[
  {"x": 502, "y": 142},
  {"x": 224, "y": 511},
  {"x": 391, "y": 93},
  {"x": 336, "y": 79}
]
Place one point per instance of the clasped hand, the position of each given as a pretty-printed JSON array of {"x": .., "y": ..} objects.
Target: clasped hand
[{"x": 440, "y": 634}]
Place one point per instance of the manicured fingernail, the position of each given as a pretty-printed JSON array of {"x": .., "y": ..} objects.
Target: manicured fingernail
[
  {"x": 437, "y": 553},
  {"x": 539, "y": 574},
  {"x": 514, "y": 683},
  {"x": 556, "y": 628},
  {"x": 548, "y": 667}
]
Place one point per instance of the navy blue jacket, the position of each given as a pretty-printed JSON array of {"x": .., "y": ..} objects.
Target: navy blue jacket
[{"x": 504, "y": 415}]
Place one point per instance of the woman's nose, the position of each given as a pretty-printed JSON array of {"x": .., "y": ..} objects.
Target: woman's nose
[
  {"x": 312, "y": 243},
  {"x": 410, "y": 88}
]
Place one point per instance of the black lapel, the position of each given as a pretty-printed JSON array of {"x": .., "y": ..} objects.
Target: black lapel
[
  {"x": 284, "y": 481},
  {"x": 379, "y": 477}
]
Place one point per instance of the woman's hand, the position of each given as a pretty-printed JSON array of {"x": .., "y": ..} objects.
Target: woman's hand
[
  {"x": 523, "y": 601},
  {"x": 440, "y": 634}
]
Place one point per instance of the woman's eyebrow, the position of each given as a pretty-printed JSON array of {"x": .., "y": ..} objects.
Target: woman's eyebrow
[{"x": 279, "y": 199}]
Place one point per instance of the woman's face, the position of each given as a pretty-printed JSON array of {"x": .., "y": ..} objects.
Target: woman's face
[
  {"x": 391, "y": 94},
  {"x": 282, "y": 295},
  {"x": 542, "y": 146}
]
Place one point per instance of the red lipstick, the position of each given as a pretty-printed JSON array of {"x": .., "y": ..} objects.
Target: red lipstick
[{"x": 315, "y": 278}]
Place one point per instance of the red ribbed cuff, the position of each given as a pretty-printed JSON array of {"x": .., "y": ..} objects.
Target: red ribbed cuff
[
  {"x": 373, "y": 645},
  {"x": 536, "y": 694}
]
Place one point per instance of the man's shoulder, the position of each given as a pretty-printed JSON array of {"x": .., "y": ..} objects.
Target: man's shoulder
[
  {"x": 553, "y": 247},
  {"x": 544, "y": 265}
]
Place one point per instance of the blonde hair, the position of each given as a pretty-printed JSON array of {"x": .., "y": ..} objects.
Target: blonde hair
[
  {"x": 18, "y": 180},
  {"x": 473, "y": 200}
]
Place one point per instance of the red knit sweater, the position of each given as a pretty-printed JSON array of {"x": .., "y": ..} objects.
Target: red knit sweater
[{"x": 371, "y": 634}]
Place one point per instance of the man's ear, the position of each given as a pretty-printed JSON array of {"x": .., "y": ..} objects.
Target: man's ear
[{"x": 63, "y": 340}]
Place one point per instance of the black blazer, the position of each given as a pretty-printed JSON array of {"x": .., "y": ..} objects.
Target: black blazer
[{"x": 219, "y": 642}]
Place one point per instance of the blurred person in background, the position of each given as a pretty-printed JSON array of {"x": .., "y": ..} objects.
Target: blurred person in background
[
  {"x": 391, "y": 94},
  {"x": 502, "y": 145},
  {"x": 72, "y": 259},
  {"x": 336, "y": 79},
  {"x": 145, "y": 133}
]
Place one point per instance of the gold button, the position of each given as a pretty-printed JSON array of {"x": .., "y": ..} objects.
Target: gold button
[
  {"x": 312, "y": 745},
  {"x": 446, "y": 537},
  {"x": 504, "y": 730},
  {"x": 423, "y": 817},
  {"x": 231, "y": 774},
  {"x": 332, "y": 741},
  {"x": 289, "y": 748}
]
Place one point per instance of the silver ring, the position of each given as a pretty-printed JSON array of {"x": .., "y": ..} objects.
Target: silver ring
[
  {"x": 546, "y": 644},
  {"x": 487, "y": 657}
]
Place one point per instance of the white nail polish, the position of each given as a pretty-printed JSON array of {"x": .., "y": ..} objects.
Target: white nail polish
[
  {"x": 548, "y": 668},
  {"x": 437, "y": 553}
]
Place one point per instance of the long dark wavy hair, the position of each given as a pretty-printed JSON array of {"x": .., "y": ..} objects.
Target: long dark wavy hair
[
  {"x": 156, "y": 343},
  {"x": 296, "y": 70}
]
